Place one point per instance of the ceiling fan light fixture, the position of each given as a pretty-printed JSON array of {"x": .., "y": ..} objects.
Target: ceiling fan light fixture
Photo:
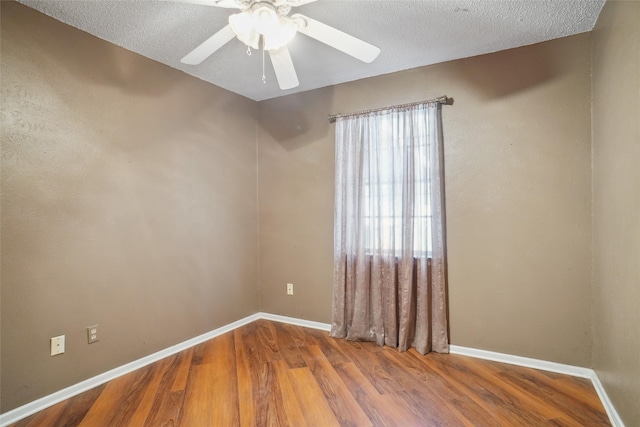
[
  {"x": 280, "y": 35},
  {"x": 263, "y": 20},
  {"x": 242, "y": 24}
]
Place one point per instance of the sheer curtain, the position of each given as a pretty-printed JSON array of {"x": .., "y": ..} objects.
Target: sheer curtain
[{"x": 389, "y": 229}]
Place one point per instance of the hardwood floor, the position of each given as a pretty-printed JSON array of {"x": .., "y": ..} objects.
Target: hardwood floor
[{"x": 273, "y": 374}]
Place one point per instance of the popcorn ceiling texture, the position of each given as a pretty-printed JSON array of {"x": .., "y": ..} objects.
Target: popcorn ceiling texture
[{"x": 410, "y": 33}]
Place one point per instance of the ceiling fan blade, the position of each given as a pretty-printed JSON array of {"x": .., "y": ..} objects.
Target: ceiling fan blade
[
  {"x": 230, "y": 4},
  {"x": 283, "y": 66},
  {"x": 209, "y": 46},
  {"x": 337, "y": 39}
]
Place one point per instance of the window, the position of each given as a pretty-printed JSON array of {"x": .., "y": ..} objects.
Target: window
[
  {"x": 396, "y": 190},
  {"x": 389, "y": 239}
]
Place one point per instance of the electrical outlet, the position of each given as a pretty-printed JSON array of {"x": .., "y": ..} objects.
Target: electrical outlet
[
  {"x": 57, "y": 345},
  {"x": 289, "y": 288},
  {"x": 92, "y": 334}
]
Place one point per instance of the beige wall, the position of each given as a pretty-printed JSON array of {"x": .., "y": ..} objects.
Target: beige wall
[
  {"x": 518, "y": 187},
  {"x": 116, "y": 205},
  {"x": 616, "y": 201}
]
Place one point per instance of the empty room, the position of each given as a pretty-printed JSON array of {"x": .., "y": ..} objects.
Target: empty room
[{"x": 320, "y": 213}]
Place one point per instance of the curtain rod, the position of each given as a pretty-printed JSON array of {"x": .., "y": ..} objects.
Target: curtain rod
[{"x": 441, "y": 100}]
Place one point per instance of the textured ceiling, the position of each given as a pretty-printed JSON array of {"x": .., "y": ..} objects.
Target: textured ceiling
[{"x": 410, "y": 33}]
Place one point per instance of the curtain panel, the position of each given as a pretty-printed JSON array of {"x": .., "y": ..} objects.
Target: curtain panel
[{"x": 389, "y": 229}]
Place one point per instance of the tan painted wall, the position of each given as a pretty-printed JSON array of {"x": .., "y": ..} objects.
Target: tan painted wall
[
  {"x": 116, "y": 205},
  {"x": 518, "y": 188},
  {"x": 616, "y": 201}
]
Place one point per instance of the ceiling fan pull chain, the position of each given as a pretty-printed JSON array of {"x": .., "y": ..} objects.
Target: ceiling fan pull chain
[
  {"x": 249, "y": 50},
  {"x": 264, "y": 78}
]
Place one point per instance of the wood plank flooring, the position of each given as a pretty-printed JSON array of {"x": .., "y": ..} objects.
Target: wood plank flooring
[{"x": 274, "y": 374}]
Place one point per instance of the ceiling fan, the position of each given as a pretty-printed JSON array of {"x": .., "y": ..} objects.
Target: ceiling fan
[{"x": 268, "y": 22}]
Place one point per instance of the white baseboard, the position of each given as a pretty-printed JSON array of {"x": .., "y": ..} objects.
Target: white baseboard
[
  {"x": 614, "y": 417},
  {"x": 31, "y": 408},
  {"x": 560, "y": 368},
  {"x": 295, "y": 321},
  {"x": 544, "y": 365}
]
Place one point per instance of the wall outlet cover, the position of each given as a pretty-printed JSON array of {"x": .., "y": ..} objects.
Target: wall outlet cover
[
  {"x": 57, "y": 345},
  {"x": 92, "y": 334}
]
